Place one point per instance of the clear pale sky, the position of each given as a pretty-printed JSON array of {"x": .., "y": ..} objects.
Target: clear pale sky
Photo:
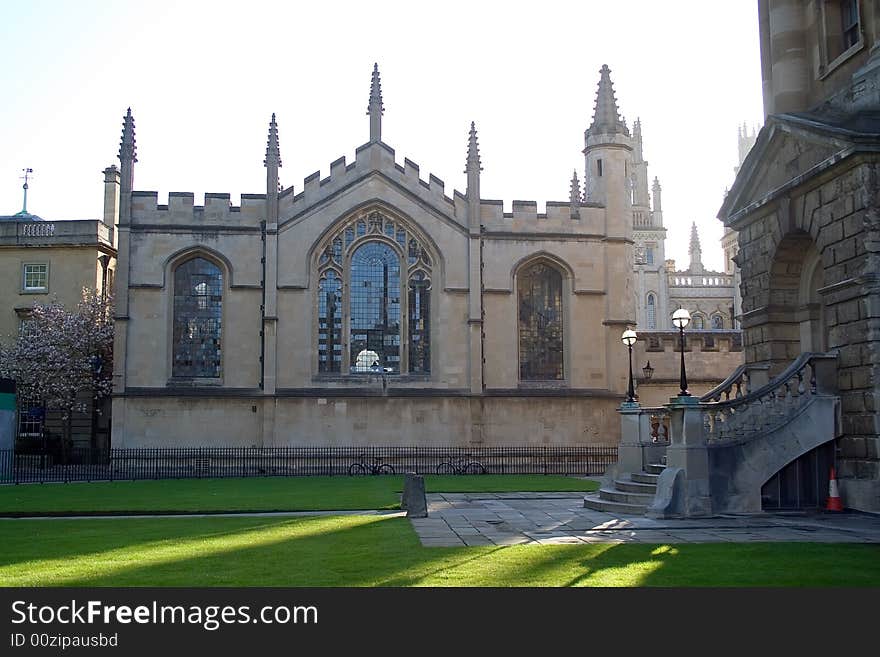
[{"x": 203, "y": 78}]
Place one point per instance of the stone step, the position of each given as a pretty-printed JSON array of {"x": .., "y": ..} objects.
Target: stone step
[
  {"x": 644, "y": 478},
  {"x": 626, "y": 497},
  {"x": 655, "y": 468},
  {"x": 634, "y": 486},
  {"x": 592, "y": 501}
]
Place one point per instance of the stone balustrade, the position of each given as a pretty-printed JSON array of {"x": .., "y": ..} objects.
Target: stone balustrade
[{"x": 765, "y": 409}]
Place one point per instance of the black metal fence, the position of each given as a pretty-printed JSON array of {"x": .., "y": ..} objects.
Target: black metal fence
[{"x": 205, "y": 462}]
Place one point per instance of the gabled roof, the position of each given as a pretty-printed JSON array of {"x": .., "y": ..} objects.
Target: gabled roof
[{"x": 792, "y": 148}]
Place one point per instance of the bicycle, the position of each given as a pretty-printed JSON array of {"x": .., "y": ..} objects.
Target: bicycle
[
  {"x": 361, "y": 467},
  {"x": 460, "y": 465}
]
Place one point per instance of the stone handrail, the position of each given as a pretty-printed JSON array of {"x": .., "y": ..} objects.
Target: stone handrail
[
  {"x": 771, "y": 405},
  {"x": 741, "y": 379}
]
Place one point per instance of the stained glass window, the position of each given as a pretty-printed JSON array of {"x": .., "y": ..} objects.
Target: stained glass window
[
  {"x": 374, "y": 282},
  {"x": 375, "y": 309},
  {"x": 329, "y": 322},
  {"x": 198, "y": 306},
  {"x": 419, "y": 312},
  {"x": 539, "y": 289}
]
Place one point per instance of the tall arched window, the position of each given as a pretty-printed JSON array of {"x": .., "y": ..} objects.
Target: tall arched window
[
  {"x": 197, "y": 323},
  {"x": 651, "y": 313},
  {"x": 330, "y": 322},
  {"x": 717, "y": 322},
  {"x": 539, "y": 289},
  {"x": 374, "y": 277},
  {"x": 699, "y": 322},
  {"x": 375, "y": 309}
]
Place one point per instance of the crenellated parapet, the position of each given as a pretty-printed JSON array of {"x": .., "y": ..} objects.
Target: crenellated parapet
[
  {"x": 181, "y": 211},
  {"x": 374, "y": 158},
  {"x": 557, "y": 218}
]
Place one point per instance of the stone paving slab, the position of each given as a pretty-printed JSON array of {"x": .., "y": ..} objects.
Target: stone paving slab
[{"x": 559, "y": 518}]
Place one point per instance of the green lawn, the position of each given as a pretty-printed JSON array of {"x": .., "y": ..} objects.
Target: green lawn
[
  {"x": 385, "y": 551},
  {"x": 259, "y": 494}
]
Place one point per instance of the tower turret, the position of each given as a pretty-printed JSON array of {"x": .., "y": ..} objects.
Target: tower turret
[{"x": 608, "y": 160}]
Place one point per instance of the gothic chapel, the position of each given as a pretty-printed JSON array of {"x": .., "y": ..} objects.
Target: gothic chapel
[{"x": 370, "y": 307}]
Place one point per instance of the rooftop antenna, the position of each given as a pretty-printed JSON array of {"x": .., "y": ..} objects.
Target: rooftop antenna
[{"x": 27, "y": 172}]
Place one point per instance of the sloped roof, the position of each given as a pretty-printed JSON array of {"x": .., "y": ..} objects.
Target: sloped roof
[{"x": 831, "y": 136}]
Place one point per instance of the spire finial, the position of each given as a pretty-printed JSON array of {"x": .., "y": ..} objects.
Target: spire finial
[
  {"x": 128, "y": 146},
  {"x": 273, "y": 153},
  {"x": 473, "y": 154},
  {"x": 27, "y": 172},
  {"x": 375, "y": 109},
  {"x": 606, "y": 118},
  {"x": 575, "y": 193},
  {"x": 574, "y": 197},
  {"x": 695, "y": 251},
  {"x": 655, "y": 188}
]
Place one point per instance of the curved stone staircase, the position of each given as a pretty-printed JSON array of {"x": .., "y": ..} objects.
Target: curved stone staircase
[{"x": 628, "y": 494}]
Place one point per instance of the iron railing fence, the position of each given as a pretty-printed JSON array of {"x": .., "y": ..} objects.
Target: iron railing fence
[{"x": 80, "y": 464}]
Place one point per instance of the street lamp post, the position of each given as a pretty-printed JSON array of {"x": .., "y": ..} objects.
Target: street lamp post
[
  {"x": 680, "y": 319},
  {"x": 629, "y": 339}
]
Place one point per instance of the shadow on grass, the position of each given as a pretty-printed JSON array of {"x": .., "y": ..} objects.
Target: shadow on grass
[{"x": 377, "y": 551}]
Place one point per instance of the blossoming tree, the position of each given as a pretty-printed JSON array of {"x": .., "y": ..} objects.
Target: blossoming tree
[{"x": 63, "y": 356}]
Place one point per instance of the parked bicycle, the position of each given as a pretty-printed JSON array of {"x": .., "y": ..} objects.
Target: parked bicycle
[
  {"x": 361, "y": 467},
  {"x": 460, "y": 465}
]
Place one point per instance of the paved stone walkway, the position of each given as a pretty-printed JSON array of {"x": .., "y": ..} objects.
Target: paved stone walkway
[{"x": 456, "y": 519}]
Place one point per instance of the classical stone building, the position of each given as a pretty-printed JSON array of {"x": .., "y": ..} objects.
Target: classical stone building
[
  {"x": 371, "y": 306},
  {"x": 806, "y": 207},
  {"x": 42, "y": 261}
]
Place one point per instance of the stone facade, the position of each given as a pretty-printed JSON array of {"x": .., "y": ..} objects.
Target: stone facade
[
  {"x": 806, "y": 206},
  {"x": 471, "y": 358},
  {"x": 43, "y": 261}
]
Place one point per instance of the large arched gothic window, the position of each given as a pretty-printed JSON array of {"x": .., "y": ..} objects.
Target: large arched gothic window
[
  {"x": 539, "y": 291},
  {"x": 375, "y": 309},
  {"x": 197, "y": 323},
  {"x": 374, "y": 277},
  {"x": 651, "y": 313}
]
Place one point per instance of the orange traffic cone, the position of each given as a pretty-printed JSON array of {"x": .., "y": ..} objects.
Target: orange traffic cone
[{"x": 834, "y": 502}]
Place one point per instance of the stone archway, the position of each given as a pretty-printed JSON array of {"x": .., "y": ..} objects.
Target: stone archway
[
  {"x": 811, "y": 309},
  {"x": 795, "y": 314}
]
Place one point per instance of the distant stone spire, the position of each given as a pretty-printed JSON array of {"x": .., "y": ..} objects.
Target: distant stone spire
[
  {"x": 656, "y": 189},
  {"x": 128, "y": 146},
  {"x": 575, "y": 195},
  {"x": 606, "y": 118},
  {"x": 273, "y": 153},
  {"x": 695, "y": 251},
  {"x": 637, "y": 138},
  {"x": 375, "y": 108}
]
